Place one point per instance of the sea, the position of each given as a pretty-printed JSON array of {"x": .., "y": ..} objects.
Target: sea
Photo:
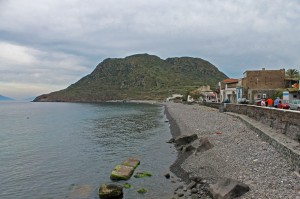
[{"x": 67, "y": 150}]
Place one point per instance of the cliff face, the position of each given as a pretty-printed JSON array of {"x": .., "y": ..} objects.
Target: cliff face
[{"x": 140, "y": 77}]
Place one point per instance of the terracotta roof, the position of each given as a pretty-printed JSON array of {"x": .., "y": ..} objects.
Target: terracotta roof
[{"x": 230, "y": 80}]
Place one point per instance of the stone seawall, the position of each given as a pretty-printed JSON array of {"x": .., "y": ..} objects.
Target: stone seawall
[{"x": 283, "y": 121}]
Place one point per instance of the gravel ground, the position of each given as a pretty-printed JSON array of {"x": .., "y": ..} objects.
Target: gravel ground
[{"x": 238, "y": 153}]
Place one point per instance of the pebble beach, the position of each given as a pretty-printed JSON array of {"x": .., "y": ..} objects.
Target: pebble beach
[{"x": 238, "y": 153}]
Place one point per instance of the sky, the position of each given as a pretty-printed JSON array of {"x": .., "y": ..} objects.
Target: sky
[{"x": 46, "y": 45}]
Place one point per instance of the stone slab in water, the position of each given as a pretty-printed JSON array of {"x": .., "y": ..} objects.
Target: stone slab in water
[
  {"x": 121, "y": 172},
  {"x": 133, "y": 162},
  {"x": 125, "y": 170}
]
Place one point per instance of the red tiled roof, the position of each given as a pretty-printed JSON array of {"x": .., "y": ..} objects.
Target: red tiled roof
[{"x": 230, "y": 80}]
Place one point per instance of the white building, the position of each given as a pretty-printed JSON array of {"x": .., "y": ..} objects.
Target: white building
[{"x": 228, "y": 90}]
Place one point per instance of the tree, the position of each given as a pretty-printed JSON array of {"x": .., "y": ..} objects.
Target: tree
[
  {"x": 292, "y": 73},
  {"x": 195, "y": 94}
]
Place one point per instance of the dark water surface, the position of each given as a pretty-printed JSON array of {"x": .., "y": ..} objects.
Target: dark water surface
[{"x": 66, "y": 150}]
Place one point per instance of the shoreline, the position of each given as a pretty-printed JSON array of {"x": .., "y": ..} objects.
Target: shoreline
[
  {"x": 188, "y": 186},
  {"x": 238, "y": 153},
  {"x": 181, "y": 157}
]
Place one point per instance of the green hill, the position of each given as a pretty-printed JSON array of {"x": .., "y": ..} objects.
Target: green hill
[{"x": 139, "y": 77}]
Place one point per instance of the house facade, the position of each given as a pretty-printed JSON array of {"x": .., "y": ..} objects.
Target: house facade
[
  {"x": 228, "y": 90},
  {"x": 207, "y": 94},
  {"x": 292, "y": 93},
  {"x": 259, "y": 84}
]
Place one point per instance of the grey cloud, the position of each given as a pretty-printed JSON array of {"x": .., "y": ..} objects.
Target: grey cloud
[{"x": 234, "y": 35}]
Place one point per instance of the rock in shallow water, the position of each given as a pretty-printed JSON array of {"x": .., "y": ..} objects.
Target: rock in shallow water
[
  {"x": 125, "y": 170},
  {"x": 121, "y": 172},
  {"x": 142, "y": 174},
  {"x": 110, "y": 191}
]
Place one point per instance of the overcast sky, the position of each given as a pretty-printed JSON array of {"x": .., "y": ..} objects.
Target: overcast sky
[{"x": 46, "y": 45}]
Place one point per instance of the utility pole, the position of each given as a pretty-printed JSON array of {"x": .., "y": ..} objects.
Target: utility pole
[{"x": 257, "y": 87}]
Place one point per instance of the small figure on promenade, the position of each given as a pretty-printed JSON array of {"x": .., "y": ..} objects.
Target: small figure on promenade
[
  {"x": 270, "y": 102},
  {"x": 279, "y": 104},
  {"x": 276, "y": 101},
  {"x": 263, "y": 102}
]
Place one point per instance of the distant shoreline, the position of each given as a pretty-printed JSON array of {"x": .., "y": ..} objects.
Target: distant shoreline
[{"x": 137, "y": 101}]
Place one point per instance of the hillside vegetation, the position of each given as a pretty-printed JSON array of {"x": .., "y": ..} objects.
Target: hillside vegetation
[{"x": 139, "y": 77}]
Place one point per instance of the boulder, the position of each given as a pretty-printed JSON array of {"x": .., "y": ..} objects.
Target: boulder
[
  {"x": 204, "y": 145},
  {"x": 167, "y": 175},
  {"x": 110, "y": 191},
  {"x": 185, "y": 139},
  {"x": 191, "y": 185},
  {"x": 171, "y": 141},
  {"x": 188, "y": 148},
  {"x": 228, "y": 188}
]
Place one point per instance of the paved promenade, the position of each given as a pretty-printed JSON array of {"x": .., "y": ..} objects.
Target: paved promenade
[{"x": 238, "y": 153}]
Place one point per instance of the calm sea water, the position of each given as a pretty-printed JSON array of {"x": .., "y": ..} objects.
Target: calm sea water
[{"x": 66, "y": 150}]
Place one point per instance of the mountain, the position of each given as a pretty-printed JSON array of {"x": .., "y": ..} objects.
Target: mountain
[
  {"x": 4, "y": 98},
  {"x": 139, "y": 77},
  {"x": 29, "y": 99}
]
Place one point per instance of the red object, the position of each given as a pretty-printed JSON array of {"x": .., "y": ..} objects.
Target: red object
[
  {"x": 219, "y": 133},
  {"x": 269, "y": 101},
  {"x": 283, "y": 106}
]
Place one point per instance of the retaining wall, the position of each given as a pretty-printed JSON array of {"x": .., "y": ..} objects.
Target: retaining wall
[{"x": 283, "y": 121}]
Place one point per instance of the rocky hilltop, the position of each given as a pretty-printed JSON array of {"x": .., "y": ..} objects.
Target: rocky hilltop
[{"x": 139, "y": 77}]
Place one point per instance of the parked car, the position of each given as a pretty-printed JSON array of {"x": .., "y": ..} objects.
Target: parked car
[
  {"x": 283, "y": 105},
  {"x": 243, "y": 101},
  {"x": 294, "y": 105}
]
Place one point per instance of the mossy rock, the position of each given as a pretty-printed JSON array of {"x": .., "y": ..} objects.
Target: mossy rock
[
  {"x": 127, "y": 186},
  {"x": 142, "y": 174},
  {"x": 121, "y": 172},
  {"x": 142, "y": 190},
  {"x": 108, "y": 191}
]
